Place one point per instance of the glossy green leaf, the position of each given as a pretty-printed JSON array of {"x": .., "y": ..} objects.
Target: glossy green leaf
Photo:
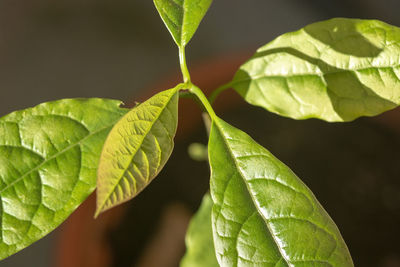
[
  {"x": 136, "y": 149},
  {"x": 48, "y": 159},
  {"x": 199, "y": 240},
  {"x": 263, "y": 215},
  {"x": 182, "y": 17},
  {"x": 335, "y": 70}
]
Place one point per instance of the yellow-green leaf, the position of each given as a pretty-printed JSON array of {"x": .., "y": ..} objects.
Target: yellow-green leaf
[
  {"x": 335, "y": 70},
  {"x": 182, "y": 17},
  {"x": 263, "y": 214},
  {"x": 136, "y": 149},
  {"x": 48, "y": 163}
]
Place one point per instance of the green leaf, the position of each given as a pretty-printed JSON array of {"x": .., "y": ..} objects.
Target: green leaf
[
  {"x": 199, "y": 240},
  {"x": 263, "y": 215},
  {"x": 48, "y": 159},
  {"x": 335, "y": 70},
  {"x": 182, "y": 17},
  {"x": 136, "y": 149}
]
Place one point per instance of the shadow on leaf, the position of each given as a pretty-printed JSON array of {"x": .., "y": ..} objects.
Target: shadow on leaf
[
  {"x": 350, "y": 98},
  {"x": 343, "y": 36}
]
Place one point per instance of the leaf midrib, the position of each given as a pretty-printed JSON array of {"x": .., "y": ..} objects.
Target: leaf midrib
[
  {"x": 181, "y": 44},
  {"x": 134, "y": 154},
  {"x": 46, "y": 160},
  {"x": 322, "y": 74},
  {"x": 265, "y": 220}
]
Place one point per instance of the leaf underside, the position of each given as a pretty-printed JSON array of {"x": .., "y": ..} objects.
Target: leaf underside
[
  {"x": 335, "y": 70},
  {"x": 48, "y": 159},
  {"x": 182, "y": 17},
  {"x": 136, "y": 149},
  {"x": 199, "y": 241},
  {"x": 263, "y": 215}
]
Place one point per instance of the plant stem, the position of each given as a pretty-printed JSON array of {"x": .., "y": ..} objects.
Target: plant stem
[
  {"x": 193, "y": 88},
  {"x": 219, "y": 90},
  {"x": 203, "y": 99},
  {"x": 182, "y": 62}
]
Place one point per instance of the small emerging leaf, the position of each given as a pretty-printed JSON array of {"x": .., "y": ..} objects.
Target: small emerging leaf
[
  {"x": 48, "y": 159},
  {"x": 198, "y": 152},
  {"x": 182, "y": 17},
  {"x": 335, "y": 70},
  {"x": 263, "y": 215},
  {"x": 199, "y": 241},
  {"x": 136, "y": 149}
]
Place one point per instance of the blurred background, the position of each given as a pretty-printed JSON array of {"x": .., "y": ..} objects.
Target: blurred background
[{"x": 120, "y": 49}]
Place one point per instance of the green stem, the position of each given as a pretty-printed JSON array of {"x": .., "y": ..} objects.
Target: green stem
[
  {"x": 217, "y": 91},
  {"x": 193, "y": 88},
  {"x": 184, "y": 68},
  {"x": 181, "y": 86},
  {"x": 203, "y": 99}
]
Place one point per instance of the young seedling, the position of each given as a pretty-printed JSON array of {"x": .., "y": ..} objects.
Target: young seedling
[{"x": 258, "y": 212}]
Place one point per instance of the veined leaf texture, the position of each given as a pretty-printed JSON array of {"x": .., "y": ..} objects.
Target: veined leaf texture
[
  {"x": 263, "y": 214},
  {"x": 136, "y": 149},
  {"x": 48, "y": 162},
  {"x": 182, "y": 17},
  {"x": 335, "y": 70}
]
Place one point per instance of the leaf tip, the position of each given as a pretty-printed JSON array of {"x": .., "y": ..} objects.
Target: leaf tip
[
  {"x": 101, "y": 206},
  {"x": 99, "y": 210}
]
